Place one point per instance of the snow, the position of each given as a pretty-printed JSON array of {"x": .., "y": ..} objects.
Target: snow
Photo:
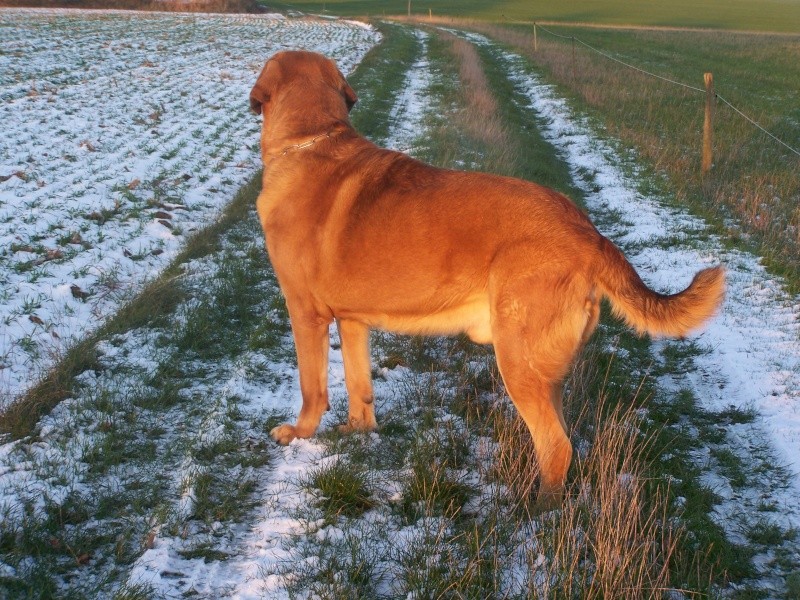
[
  {"x": 122, "y": 133},
  {"x": 408, "y": 111},
  {"x": 751, "y": 358}
]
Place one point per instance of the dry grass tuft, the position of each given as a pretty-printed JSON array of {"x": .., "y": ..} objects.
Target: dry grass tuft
[
  {"x": 613, "y": 537},
  {"x": 623, "y": 526},
  {"x": 480, "y": 116}
]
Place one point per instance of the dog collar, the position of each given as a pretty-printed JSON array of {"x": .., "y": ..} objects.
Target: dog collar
[{"x": 310, "y": 142}]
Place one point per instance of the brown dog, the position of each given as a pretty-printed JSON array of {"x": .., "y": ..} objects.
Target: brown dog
[{"x": 372, "y": 238}]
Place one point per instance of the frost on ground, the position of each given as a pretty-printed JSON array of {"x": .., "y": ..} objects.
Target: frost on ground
[
  {"x": 157, "y": 477},
  {"x": 746, "y": 359},
  {"x": 122, "y": 134},
  {"x": 408, "y": 112},
  {"x": 751, "y": 356}
]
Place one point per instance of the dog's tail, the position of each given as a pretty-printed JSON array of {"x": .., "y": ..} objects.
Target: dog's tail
[{"x": 650, "y": 312}]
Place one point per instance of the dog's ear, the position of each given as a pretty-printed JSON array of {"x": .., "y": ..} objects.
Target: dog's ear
[
  {"x": 257, "y": 99},
  {"x": 265, "y": 85},
  {"x": 341, "y": 84},
  {"x": 349, "y": 96}
]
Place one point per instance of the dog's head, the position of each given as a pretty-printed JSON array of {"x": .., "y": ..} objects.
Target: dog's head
[{"x": 296, "y": 66}]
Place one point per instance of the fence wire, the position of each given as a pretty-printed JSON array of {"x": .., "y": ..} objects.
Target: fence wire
[{"x": 671, "y": 81}]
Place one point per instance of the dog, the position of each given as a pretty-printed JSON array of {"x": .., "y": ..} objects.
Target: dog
[{"x": 371, "y": 238}]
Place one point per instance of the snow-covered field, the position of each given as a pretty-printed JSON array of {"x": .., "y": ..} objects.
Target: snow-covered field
[
  {"x": 746, "y": 359},
  {"x": 750, "y": 359},
  {"x": 97, "y": 191},
  {"x": 121, "y": 134},
  {"x": 749, "y": 354}
]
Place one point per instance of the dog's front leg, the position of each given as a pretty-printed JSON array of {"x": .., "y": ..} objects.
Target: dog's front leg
[
  {"x": 357, "y": 375},
  {"x": 311, "y": 338}
]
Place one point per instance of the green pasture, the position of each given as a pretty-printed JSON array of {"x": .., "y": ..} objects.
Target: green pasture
[{"x": 757, "y": 15}]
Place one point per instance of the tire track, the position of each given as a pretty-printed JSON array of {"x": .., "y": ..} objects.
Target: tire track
[{"x": 262, "y": 553}]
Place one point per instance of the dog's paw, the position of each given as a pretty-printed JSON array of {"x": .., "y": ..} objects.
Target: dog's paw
[
  {"x": 283, "y": 434},
  {"x": 549, "y": 500},
  {"x": 357, "y": 425}
]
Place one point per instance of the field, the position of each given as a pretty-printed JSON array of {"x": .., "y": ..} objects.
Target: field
[
  {"x": 154, "y": 476},
  {"x": 768, "y": 15},
  {"x": 98, "y": 190}
]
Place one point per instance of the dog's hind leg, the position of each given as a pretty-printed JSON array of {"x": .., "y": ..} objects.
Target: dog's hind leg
[
  {"x": 357, "y": 375},
  {"x": 311, "y": 338},
  {"x": 537, "y": 330},
  {"x": 534, "y": 397}
]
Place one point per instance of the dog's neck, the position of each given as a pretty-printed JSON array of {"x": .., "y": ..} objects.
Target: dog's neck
[{"x": 290, "y": 123}]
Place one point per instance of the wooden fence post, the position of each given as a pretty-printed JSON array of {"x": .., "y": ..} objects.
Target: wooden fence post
[
  {"x": 708, "y": 124},
  {"x": 574, "y": 78}
]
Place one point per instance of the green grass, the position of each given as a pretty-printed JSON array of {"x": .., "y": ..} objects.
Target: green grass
[
  {"x": 526, "y": 153},
  {"x": 793, "y": 585},
  {"x": 761, "y": 15},
  {"x": 432, "y": 486},
  {"x": 336, "y": 569},
  {"x": 220, "y": 499},
  {"x": 342, "y": 487},
  {"x": 231, "y": 300},
  {"x": 378, "y": 77}
]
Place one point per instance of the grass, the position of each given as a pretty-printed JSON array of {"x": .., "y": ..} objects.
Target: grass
[
  {"x": 465, "y": 533},
  {"x": 385, "y": 64},
  {"x": 146, "y": 423},
  {"x": 483, "y": 138},
  {"x": 432, "y": 485},
  {"x": 343, "y": 488},
  {"x": 338, "y": 568},
  {"x": 769, "y": 15},
  {"x": 647, "y": 478},
  {"x": 202, "y": 6}
]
